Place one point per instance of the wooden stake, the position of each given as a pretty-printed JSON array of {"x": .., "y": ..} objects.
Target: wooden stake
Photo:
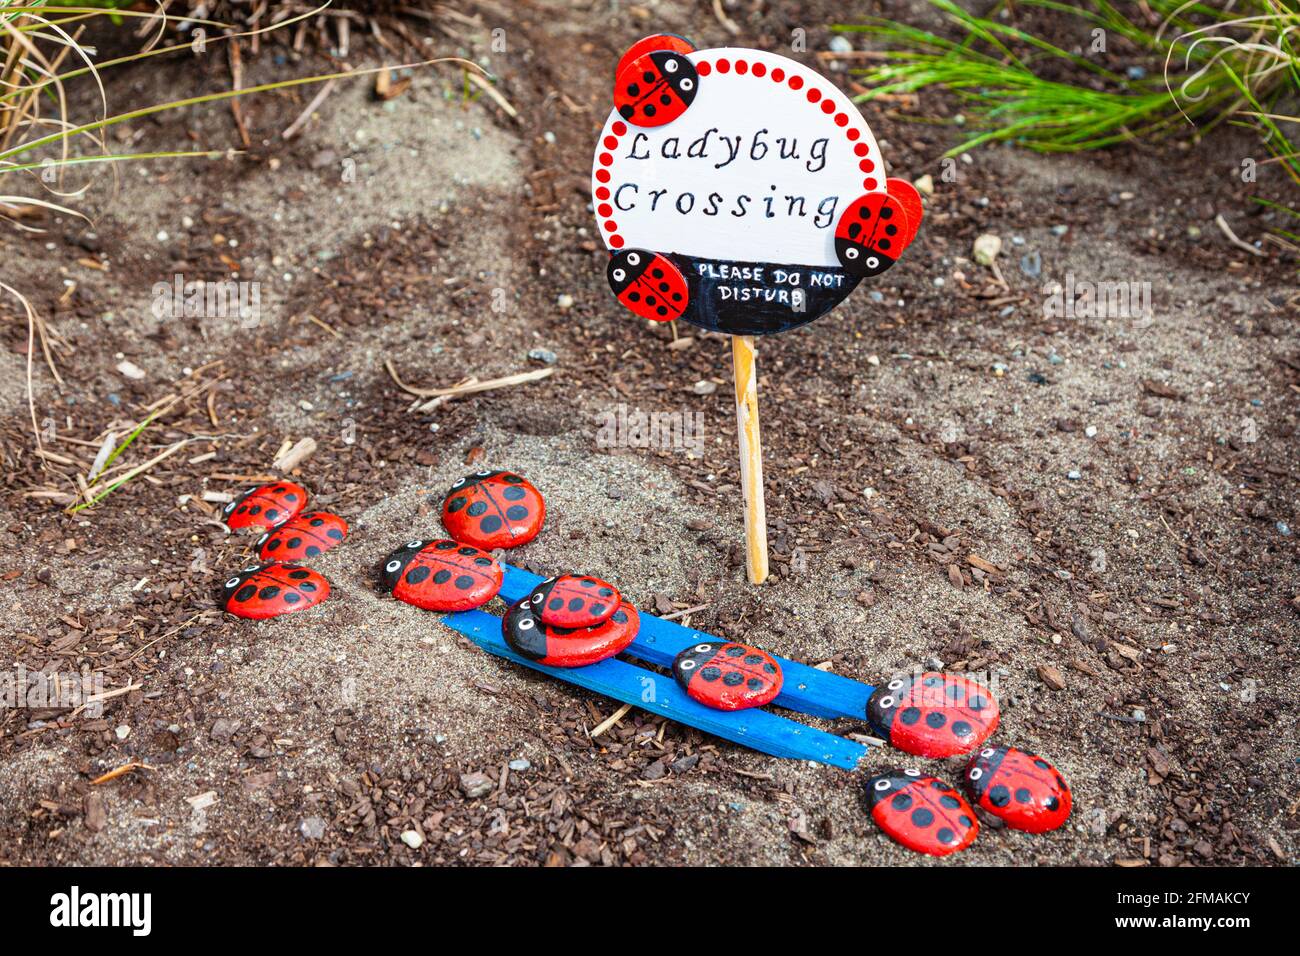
[{"x": 751, "y": 456}]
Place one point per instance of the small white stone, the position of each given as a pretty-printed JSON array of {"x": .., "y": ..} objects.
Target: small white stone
[
  {"x": 1091, "y": 431},
  {"x": 130, "y": 369},
  {"x": 412, "y": 839},
  {"x": 565, "y": 302},
  {"x": 123, "y": 732},
  {"x": 987, "y": 248},
  {"x": 924, "y": 185}
]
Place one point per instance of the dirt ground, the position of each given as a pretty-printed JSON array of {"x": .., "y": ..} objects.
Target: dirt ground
[{"x": 1127, "y": 485}]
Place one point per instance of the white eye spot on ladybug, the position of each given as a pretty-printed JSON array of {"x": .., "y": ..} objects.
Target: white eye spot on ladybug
[
  {"x": 687, "y": 84},
  {"x": 232, "y": 582},
  {"x": 895, "y": 684},
  {"x": 230, "y": 507},
  {"x": 538, "y": 597},
  {"x": 872, "y": 262},
  {"x": 886, "y": 702},
  {"x": 633, "y": 259},
  {"x": 850, "y": 253},
  {"x": 882, "y": 785},
  {"x": 251, "y": 567},
  {"x": 526, "y": 624},
  {"x": 459, "y": 482},
  {"x": 670, "y": 66},
  {"x": 482, "y": 474},
  {"x": 912, "y": 773},
  {"x": 976, "y": 773},
  {"x": 986, "y": 752},
  {"x": 392, "y": 566},
  {"x": 703, "y": 648},
  {"x": 619, "y": 275},
  {"x": 687, "y": 665},
  {"x": 413, "y": 544},
  {"x": 262, "y": 539}
]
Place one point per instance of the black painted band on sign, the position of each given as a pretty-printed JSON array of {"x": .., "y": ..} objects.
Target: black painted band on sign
[{"x": 759, "y": 298}]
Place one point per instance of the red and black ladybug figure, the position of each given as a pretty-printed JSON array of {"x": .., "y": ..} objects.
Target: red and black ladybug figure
[
  {"x": 524, "y": 631},
  {"x": 907, "y": 196},
  {"x": 266, "y": 507},
  {"x": 573, "y": 600},
  {"x": 1020, "y": 788},
  {"x": 728, "y": 676},
  {"x": 659, "y": 41},
  {"x": 269, "y": 590},
  {"x": 655, "y": 88},
  {"x": 648, "y": 284},
  {"x": 442, "y": 575},
  {"x": 493, "y": 509},
  {"x": 933, "y": 715},
  {"x": 922, "y": 813},
  {"x": 310, "y": 534},
  {"x": 870, "y": 234}
]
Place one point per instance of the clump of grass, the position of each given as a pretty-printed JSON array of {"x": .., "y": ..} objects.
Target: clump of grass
[{"x": 1210, "y": 65}]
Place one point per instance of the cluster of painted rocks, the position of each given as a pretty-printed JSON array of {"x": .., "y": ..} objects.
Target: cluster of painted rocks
[
  {"x": 290, "y": 536},
  {"x": 570, "y": 621},
  {"x": 482, "y": 512},
  {"x": 944, "y": 715}
]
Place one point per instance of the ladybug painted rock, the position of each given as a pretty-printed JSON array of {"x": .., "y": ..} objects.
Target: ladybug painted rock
[
  {"x": 933, "y": 715},
  {"x": 1020, "y": 788},
  {"x": 309, "y": 534},
  {"x": 910, "y": 200},
  {"x": 575, "y": 601},
  {"x": 524, "y": 631},
  {"x": 648, "y": 284},
  {"x": 869, "y": 234},
  {"x": 655, "y": 88},
  {"x": 266, "y": 507},
  {"x": 660, "y": 41},
  {"x": 922, "y": 813},
  {"x": 493, "y": 509},
  {"x": 728, "y": 676},
  {"x": 442, "y": 575},
  {"x": 269, "y": 590}
]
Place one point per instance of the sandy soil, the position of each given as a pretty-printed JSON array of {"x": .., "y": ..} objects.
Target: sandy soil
[{"x": 1132, "y": 479}]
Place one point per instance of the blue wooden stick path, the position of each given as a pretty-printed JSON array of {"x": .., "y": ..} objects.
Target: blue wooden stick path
[
  {"x": 806, "y": 689},
  {"x": 660, "y": 694}
]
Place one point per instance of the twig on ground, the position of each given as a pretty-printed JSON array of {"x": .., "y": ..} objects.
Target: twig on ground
[
  {"x": 292, "y": 129},
  {"x": 121, "y": 771},
  {"x": 494, "y": 95},
  {"x": 610, "y": 721},
  {"x": 470, "y": 385},
  {"x": 1232, "y": 236}
]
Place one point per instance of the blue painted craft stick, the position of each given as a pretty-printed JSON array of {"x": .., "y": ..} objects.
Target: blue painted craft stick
[
  {"x": 756, "y": 728},
  {"x": 805, "y": 689}
]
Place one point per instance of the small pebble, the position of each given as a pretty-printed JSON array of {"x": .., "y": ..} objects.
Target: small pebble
[
  {"x": 1283, "y": 528},
  {"x": 704, "y": 387},
  {"x": 1074, "y": 474},
  {"x": 123, "y": 732},
  {"x": 840, "y": 44},
  {"x": 565, "y": 302},
  {"x": 986, "y": 248},
  {"x": 313, "y": 828},
  {"x": 1091, "y": 431},
  {"x": 412, "y": 839},
  {"x": 545, "y": 356},
  {"x": 519, "y": 765}
]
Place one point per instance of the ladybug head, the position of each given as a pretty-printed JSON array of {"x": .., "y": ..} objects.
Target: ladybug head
[
  {"x": 679, "y": 72},
  {"x": 885, "y": 785},
  {"x": 238, "y": 579},
  {"x": 691, "y": 660},
  {"x": 887, "y": 701},
  {"x": 397, "y": 561},
  {"x": 626, "y": 267},
  {"x": 859, "y": 260},
  {"x": 981, "y": 768},
  {"x": 523, "y": 630}
]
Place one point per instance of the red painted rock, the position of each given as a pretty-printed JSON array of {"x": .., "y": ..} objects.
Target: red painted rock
[
  {"x": 922, "y": 813},
  {"x": 493, "y": 509},
  {"x": 933, "y": 715},
  {"x": 728, "y": 676},
  {"x": 442, "y": 575},
  {"x": 572, "y": 600},
  {"x": 266, "y": 507},
  {"x": 566, "y": 647},
  {"x": 870, "y": 234},
  {"x": 269, "y": 590},
  {"x": 309, "y": 534},
  {"x": 1021, "y": 788}
]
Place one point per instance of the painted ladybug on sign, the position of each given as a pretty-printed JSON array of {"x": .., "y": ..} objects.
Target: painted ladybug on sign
[
  {"x": 266, "y": 507},
  {"x": 524, "y": 631},
  {"x": 310, "y": 534},
  {"x": 573, "y": 600},
  {"x": 906, "y": 195},
  {"x": 659, "y": 41},
  {"x": 728, "y": 676},
  {"x": 493, "y": 509},
  {"x": 1021, "y": 788},
  {"x": 922, "y": 813},
  {"x": 933, "y": 715},
  {"x": 648, "y": 284},
  {"x": 655, "y": 88},
  {"x": 442, "y": 575},
  {"x": 870, "y": 234},
  {"x": 269, "y": 590}
]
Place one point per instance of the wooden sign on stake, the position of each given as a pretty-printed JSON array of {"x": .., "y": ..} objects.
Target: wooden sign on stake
[{"x": 742, "y": 192}]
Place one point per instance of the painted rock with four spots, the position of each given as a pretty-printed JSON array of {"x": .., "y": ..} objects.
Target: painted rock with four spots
[
  {"x": 266, "y": 507},
  {"x": 309, "y": 534},
  {"x": 574, "y": 600},
  {"x": 442, "y": 575},
  {"x": 1020, "y": 788},
  {"x": 922, "y": 813},
  {"x": 933, "y": 715},
  {"x": 493, "y": 509},
  {"x": 269, "y": 590},
  {"x": 728, "y": 676},
  {"x": 528, "y": 636}
]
